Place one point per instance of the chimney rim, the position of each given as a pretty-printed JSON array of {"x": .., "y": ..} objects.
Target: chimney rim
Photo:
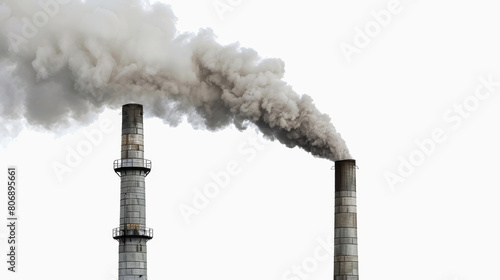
[
  {"x": 346, "y": 160},
  {"x": 132, "y": 104}
]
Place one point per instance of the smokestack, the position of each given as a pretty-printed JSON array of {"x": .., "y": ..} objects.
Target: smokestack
[
  {"x": 132, "y": 168},
  {"x": 346, "y": 235}
]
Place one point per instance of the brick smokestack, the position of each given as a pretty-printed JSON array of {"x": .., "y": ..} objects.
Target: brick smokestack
[
  {"x": 346, "y": 236},
  {"x": 132, "y": 168}
]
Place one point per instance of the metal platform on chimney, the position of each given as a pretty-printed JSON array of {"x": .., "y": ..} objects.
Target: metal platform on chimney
[
  {"x": 132, "y": 164},
  {"x": 132, "y": 230}
]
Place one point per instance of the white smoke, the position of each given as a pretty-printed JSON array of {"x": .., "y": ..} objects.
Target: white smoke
[{"x": 62, "y": 61}]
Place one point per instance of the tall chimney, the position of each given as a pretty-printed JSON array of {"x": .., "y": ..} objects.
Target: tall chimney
[
  {"x": 346, "y": 236},
  {"x": 132, "y": 168}
]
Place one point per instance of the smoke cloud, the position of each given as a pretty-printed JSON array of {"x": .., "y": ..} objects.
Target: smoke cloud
[{"x": 65, "y": 61}]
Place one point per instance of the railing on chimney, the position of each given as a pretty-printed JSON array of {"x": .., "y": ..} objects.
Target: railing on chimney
[
  {"x": 132, "y": 163},
  {"x": 132, "y": 230}
]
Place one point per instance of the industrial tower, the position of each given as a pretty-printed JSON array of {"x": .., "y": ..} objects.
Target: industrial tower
[
  {"x": 132, "y": 168},
  {"x": 346, "y": 228}
]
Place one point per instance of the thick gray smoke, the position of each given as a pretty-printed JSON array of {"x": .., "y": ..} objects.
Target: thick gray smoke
[{"x": 62, "y": 61}]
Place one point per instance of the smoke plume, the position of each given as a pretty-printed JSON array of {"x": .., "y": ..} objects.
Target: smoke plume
[{"x": 63, "y": 61}]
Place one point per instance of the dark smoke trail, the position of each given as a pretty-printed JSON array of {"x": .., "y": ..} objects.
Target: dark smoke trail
[{"x": 83, "y": 57}]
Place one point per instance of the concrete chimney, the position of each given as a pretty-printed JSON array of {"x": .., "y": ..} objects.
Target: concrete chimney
[
  {"x": 345, "y": 266},
  {"x": 132, "y": 168}
]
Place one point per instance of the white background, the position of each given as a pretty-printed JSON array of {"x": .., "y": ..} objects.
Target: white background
[{"x": 441, "y": 222}]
